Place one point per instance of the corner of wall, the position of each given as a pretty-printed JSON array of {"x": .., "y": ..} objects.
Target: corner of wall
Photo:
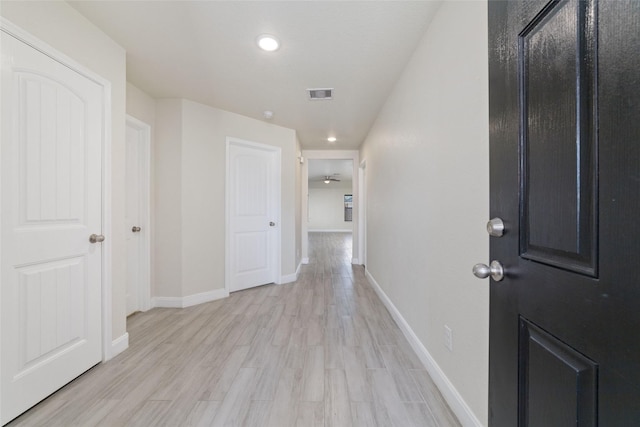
[
  {"x": 168, "y": 202},
  {"x": 119, "y": 345}
]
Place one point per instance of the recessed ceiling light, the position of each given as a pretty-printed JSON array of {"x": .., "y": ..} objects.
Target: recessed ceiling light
[
  {"x": 267, "y": 114},
  {"x": 332, "y": 139},
  {"x": 268, "y": 42}
]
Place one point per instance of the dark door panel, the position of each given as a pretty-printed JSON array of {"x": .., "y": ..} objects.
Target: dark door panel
[
  {"x": 557, "y": 384},
  {"x": 565, "y": 178}
]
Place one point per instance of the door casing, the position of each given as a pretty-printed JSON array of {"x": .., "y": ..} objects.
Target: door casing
[
  {"x": 353, "y": 155},
  {"x": 362, "y": 216}
]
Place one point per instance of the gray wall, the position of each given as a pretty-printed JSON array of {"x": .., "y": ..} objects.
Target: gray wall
[{"x": 428, "y": 151}]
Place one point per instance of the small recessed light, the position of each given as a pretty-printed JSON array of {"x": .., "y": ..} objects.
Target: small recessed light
[
  {"x": 268, "y": 42},
  {"x": 268, "y": 115},
  {"x": 332, "y": 139}
]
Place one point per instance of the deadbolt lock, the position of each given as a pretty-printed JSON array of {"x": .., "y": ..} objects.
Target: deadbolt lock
[{"x": 495, "y": 227}]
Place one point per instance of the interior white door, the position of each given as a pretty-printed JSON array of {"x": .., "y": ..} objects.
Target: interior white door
[
  {"x": 51, "y": 192},
  {"x": 253, "y": 199},
  {"x": 133, "y": 219}
]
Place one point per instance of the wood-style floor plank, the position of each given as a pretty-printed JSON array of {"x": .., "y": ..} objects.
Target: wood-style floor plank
[
  {"x": 322, "y": 351},
  {"x": 337, "y": 407}
]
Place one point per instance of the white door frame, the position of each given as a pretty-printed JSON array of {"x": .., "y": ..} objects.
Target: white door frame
[
  {"x": 276, "y": 202},
  {"x": 144, "y": 130},
  {"x": 353, "y": 155},
  {"x": 20, "y": 34},
  {"x": 362, "y": 188}
]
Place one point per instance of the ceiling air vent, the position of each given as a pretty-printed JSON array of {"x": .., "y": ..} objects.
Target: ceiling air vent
[{"x": 320, "y": 94}]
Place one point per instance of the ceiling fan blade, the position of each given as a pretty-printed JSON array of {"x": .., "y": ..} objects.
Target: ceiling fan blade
[{"x": 329, "y": 178}]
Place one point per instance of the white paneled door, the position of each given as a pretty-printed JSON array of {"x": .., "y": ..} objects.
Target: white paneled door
[
  {"x": 137, "y": 215},
  {"x": 253, "y": 206},
  {"x": 51, "y": 192},
  {"x": 133, "y": 228}
]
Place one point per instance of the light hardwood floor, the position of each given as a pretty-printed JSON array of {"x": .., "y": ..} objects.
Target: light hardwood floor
[{"x": 322, "y": 351}]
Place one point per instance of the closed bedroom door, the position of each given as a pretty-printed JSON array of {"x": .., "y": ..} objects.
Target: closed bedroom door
[{"x": 51, "y": 192}]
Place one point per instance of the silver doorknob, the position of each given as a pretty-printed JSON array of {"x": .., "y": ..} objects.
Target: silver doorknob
[
  {"x": 495, "y": 270},
  {"x": 495, "y": 227},
  {"x": 96, "y": 238},
  {"x": 136, "y": 229},
  {"x": 272, "y": 224}
]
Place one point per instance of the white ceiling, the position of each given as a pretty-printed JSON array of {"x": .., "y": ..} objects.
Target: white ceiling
[
  {"x": 318, "y": 169},
  {"x": 206, "y": 51}
]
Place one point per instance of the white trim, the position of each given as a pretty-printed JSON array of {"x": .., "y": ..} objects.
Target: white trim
[
  {"x": 287, "y": 279},
  {"x": 355, "y": 261},
  {"x": 290, "y": 277},
  {"x": 189, "y": 300},
  {"x": 362, "y": 220},
  {"x": 451, "y": 395},
  {"x": 298, "y": 270},
  {"x": 304, "y": 261},
  {"x": 144, "y": 297},
  {"x": 107, "y": 246},
  {"x": 277, "y": 256},
  {"x": 330, "y": 231},
  {"x": 107, "y": 315},
  {"x": 120, "y": 344}
]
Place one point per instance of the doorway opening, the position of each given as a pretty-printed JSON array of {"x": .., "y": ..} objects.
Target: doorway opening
[
  {"x": 330, "y": 203},
  {"x": 330, "y": 197}
]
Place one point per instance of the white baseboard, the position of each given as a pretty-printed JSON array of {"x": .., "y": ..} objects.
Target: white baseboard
[
  {"x": 305, "y": 261},
  {"x": 288, "y": 278},
  {"x": 119, "y": 345},
  {"x": 456, "y": 402},
  {"x": 330, "y": 231},
  {"x": 189, "y": 300},
  {"x": 298, "y": 270}
]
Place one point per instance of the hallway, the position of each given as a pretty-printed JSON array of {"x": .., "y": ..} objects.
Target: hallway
[{"x": 322, "y": 351}]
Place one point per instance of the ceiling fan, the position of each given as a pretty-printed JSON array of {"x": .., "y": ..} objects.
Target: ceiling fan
[{"x": 328, "y": 178}]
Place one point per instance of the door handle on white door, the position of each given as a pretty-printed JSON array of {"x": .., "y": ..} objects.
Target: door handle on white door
[
  {"x": 272, "y": 224},
  {"x": 136, "y": 229},
  {"x": 495, "y": 270},
  {"x": 96, "y": 238}
]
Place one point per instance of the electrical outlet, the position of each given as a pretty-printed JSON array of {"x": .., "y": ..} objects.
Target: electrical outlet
[{"x": 448, "y": 338}]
